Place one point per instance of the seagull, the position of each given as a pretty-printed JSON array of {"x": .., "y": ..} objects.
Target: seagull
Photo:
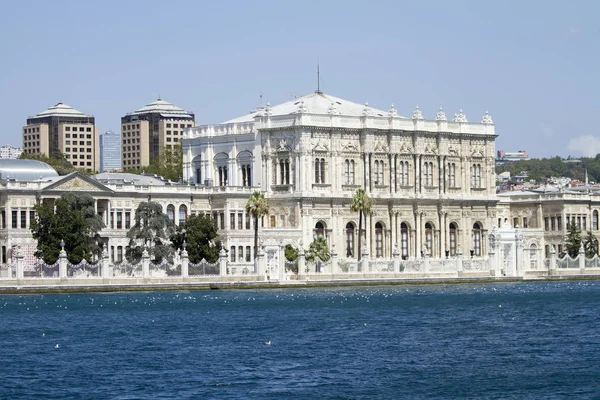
[
  {"x": 268, "y": 343},
  {"x": 56, "y": 346},
  {"x": 43, "y": 334}
]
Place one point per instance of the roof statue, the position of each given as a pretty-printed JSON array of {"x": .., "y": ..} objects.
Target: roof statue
[
  {"x": 487, "y": 119},
  {"x": 460, "y": 117},
  {"x": 367, "y": 110},
  {"x": 417, "y": 114},
  {"x": 441, "y": 115},
  {"x": 332, "y": 110},
  {"x": 302, "y": 108},
  {"x": 268, "y": 109},
  {"x": 392, "y": 112}
]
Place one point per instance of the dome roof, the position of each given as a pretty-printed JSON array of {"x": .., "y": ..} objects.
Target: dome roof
[
  {"x": 25, "y": 170},
  {"x": 161, "y": 106},
  {"x": 61, "y": 110}
]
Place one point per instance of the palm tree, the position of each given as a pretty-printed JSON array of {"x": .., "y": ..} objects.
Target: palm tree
[
  {"x": 318, "y": 251},
  {"x": 361, "y": 203},
  {"x": 257, "y": 206}
]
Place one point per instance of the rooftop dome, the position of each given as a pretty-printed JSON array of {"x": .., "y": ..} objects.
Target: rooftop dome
[
  {"x": 25, "y": 170},
  {"x": 161, "y": 106},
  {"x": 61, "y": 110}
]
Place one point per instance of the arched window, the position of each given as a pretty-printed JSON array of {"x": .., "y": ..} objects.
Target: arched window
[
  {"x": 452, "y": 239},
  {"x": 378, "y": 173},
  {"x": 282, "y": 172},
  {"x": 595, "y": 220},
  {"x": 430, "y": 175},
  {"x": 197, "y": 162},
  {"x": 451, "y": 175},
  {"x": 351, "y": 180},
  {"x": 349, "y": 172},
  {"x": 429, "y": 237},
  {"x": 533, "y": 261},
  {"x": 171, "y": 212},
  {"x": 319, "y": 170},
  {"x": 476, "y": 176},
  {"x": 404, "y": 240},
  {"x": 322, "y": 170},
  {"x": 424, "y": 173},
  {"x": 349, "y": 239},
  {"x": 182, "y": 214},
  {"x": 244, "y": 160},
  {"x": 287, "y": 172},
  {"x": 319, "y": 229},
  {"x": 378, "y": 240},
  {"x": 221, "y": 161},
  {"x": 248, "y": 175},
  {"x": 477, "y": 239}
]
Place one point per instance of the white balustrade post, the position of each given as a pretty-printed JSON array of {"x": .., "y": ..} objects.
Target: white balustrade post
[
  {"x": 260, "y": 262},
  {"x": 581, "y": 259},
  {"x": 222, "y": 262},
  {"x": 459, "y": 261},
  {"x": 145, "y": 264},
  {"x": 19, "y": 257},
  {"x": 184, "y": 262},
  {"x": 552, "y": 266},
  {"x": 364, "y": 261},
  {"x": 62, "y": 262},
  {"x": 425, "y": 260},
  {"x": 281, "y": 274},
  {"x": 334, "y": 260},
  {"x": 396, "y": 258},
  {"x": 105, "y": 264},
  {"x": 301, "y": 260}
]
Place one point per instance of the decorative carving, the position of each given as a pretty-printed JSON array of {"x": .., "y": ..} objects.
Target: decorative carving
[
  {"x": 430, "y": 148},
  {"x": 350, "y": 146},
  {"x": 77, "y": 184},
  {"x": 392, "y": 113},
  {"x": 487, "y": 119},
  {"x": 441, "y": 115},
  {"x": 302, "y": 108},
  {"x": 283, "y": 146},
  {"x": 477, "y": 151},
  {"x": 417, "y": 114},
  {"x": 332, "y": 110},
  {"x": 405, "y": 148},
  {"x": 453, "y": 150},
  {"x": 381, "y": 147},
  {"x": 367, "y": 111},
  {"x": 460, "y": 117},
  {"x": 320, "y": 145}
]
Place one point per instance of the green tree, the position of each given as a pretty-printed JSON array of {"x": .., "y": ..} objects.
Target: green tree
[
  {"x": 200, "y": 235},
  {"x": 75, "y": 222},
  {"x": 573, "y": 240},
  {"x": 291, "y": 254},
  {"x": 590, "y": 244},
  {"x": 257, "y": 206},
  {"x": 361, "y": 203},
  {"x": 169, "y": 165},
  {"x": 151, "y": 228},
  {"x": 57, "y": 161},
  {"x": 318, "y": 251}
]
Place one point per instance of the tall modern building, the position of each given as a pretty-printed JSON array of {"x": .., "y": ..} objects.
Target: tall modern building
[
  {"x": 110, "y": 151},
  {"x": 149, "y": 131},
  {"x": 62, "y": 129}
]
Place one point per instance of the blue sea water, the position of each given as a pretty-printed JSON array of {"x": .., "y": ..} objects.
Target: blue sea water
[{"x": 518, "y": 340}]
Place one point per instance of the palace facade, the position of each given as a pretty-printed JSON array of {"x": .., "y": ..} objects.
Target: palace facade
[{"x": 432, "y": 182}]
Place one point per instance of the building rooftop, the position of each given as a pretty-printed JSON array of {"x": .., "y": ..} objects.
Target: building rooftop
[
  {"x": 26, "y": 170},
  {"x": 163, "y": 107},
  {"x": 61, "y": 110},
  {"x": 314, "y": 103},
  {"x": 121, "y": 178}
]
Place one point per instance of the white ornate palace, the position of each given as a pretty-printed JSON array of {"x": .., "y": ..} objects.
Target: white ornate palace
[{"x": 432, "y": 182}]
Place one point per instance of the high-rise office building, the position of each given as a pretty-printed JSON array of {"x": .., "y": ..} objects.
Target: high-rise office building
[
  {"x": 110, "y": 151},
  {"x": 149, "y": 131},
  {"x": 62, "y": 129}
]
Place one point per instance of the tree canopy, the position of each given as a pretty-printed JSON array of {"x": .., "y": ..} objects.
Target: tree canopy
[
  {"x": 169, "y": 165},
  {"x": 540, "y": 169},
  {"x": 573, "y": 240},
  {"x": 152, "y": 228},
  {"x": 257, "y": 206},
  {"x": 361, "y": 203},
  {"x": 56, "y": 161},
  {"x": 200, "y": 235},
  {"x": 75, "y": 222}
]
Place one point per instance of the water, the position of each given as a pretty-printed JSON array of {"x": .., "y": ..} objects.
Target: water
[{"x": 523, "y": 340}]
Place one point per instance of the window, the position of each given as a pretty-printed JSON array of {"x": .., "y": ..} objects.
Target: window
[
  {"x": 349, "y": 172},
  {"x": 429, "y": 237},
  {"x": 583, "y": 223},
  {"x": 403, "y": 173},
  {"x": 547, "y": 223},
  {"x": 552, "y": 223},
  {"x": 127, "y": 220},
  {"x": 452, "y": 239},
  {"x": 476, "y": 239},
  {"x": 273, "y": 221},
  {"x": 595, "y": 220},
  {"x": 284, "y": 172},
  {"x": 240, "y": 253},
  {"x": 247, "y": 221},
  {"x": 404, "y": 240},
  {"x": 232, "y": 254},
  {"x": 533, "y": 256},
  {"x": 222, "y": 176},
  {"x": 171, "y": 212},
  {"x": 168, "y": 126},
  {"x": 319, "y": 230},
  {"x": 452, "y": 175},
  {"x": 14, "y": 219},
  {"x": 349, "y": 239},
  {"x": 68, "y": 129},
  {"x": 515, "y": 222},
  {"x": 119, "y": 220},
  {"x": 240, "y": 220},
  {"x": 182, "y": 214},
  {"x": 378, "y": 240},
  {"x": 378, "y": 173},
  {"x": 319, "y": 170},
  {"x": 222, "y": 219},
  {"x": 476, "y": 176},
  {"x": 23, "y": 219},
  {"x": 119, "y": 254},
  {"x": 248, "y": 254},
  {"x": 525, "y": 222},
  {"x": 31, "y": 216},
  {"x": 231, "y": 220},
  {"x": 558, "y": 223}
]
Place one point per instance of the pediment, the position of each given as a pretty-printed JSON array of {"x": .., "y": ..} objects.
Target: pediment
[{"x": 76, "y": 182}]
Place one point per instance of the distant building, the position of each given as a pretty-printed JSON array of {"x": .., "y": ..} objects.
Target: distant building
[
  {"x": 110, "y": 151},
  {"x": 149, "y": 131},
  {"x": 62, "y": 129},
  {"x": 7, "y": 151},
  {"x": 504, "y": 156}
]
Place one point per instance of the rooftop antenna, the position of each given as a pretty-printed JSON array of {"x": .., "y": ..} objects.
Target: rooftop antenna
[
  {"x": 318, "y": 78},
  {"x": 261, "y": 96}
]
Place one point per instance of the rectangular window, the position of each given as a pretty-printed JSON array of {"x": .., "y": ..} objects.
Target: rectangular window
[
  {"x": 240, "y": 221},
  {"x": 231, "y": 220},
  {"x": 168, "y": 126},
  {"x": 247, "y": 221},
  {"x": 68, "y": 129},
  {"x": 584, "y": 224},
  {"x": 81, "y": 129},
  {"x": 23, "y": 219},
  {"x": 88, "y": 129},
  {"x": 524, "y": 222},
  {"x": 119, "y": 254},
  {"x": 232, "y": 254},
  {"x": 31, "y": 217},
  {"x": 127, "y": 220},
  {"x": 273, "y": 221},
  {"x": 552, "y": 223},
  {"x": 247, "y": 253},
  {"x": 546, "y": 223},
  {"x": 515, "y": 222},
  {"x": 119, "y": 220},
  {"x": 14, "y": 219},
  {"x": 222, "y": 218},
  {"x": 559, "y": 223}
]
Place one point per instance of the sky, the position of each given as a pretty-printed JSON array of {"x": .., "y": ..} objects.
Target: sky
[{"x": 532, "y": 64}]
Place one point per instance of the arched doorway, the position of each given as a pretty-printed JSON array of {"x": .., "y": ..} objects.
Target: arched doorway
[
  {"x": 350, "y": 249},
  {"x": 452, "y": 239},
  {"x": 404, "y": 240},
  {"x": 477, "y": 251}
]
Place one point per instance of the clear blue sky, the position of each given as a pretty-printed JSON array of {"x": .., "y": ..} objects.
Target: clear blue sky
[{"x": 533, "y": 64}]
